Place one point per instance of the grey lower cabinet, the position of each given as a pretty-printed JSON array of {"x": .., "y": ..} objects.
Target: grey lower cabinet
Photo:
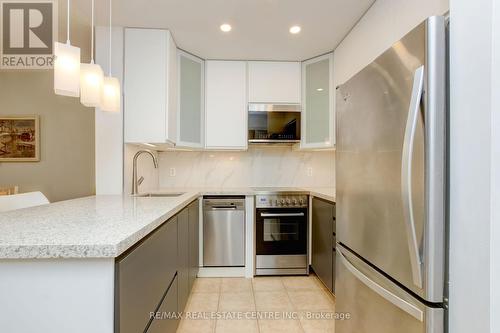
[
  {"x": 156, "y": 275},
  {"x": 142, "y": 276},
  {"x": 187, "y": 251},
  {"x": 323, "y": 241},
  {"x": 183, "y": 257},
  {"x": 194, "y": 241}
]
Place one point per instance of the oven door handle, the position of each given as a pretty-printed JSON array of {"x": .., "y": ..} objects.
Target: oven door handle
[{"x": 281, "y": 214}]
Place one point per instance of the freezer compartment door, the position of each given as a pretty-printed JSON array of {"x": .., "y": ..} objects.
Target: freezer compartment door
[{"x": 377, "y": 305}]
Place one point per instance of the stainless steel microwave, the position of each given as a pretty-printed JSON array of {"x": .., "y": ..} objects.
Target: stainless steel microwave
[{"x": 274, "y": 123}]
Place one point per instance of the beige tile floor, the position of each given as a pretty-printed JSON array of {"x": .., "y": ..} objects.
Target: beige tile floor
[{"x": 296, "y": 297}]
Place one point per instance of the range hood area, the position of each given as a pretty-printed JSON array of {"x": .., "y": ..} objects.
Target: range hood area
[{"x": 274, "y": 123}]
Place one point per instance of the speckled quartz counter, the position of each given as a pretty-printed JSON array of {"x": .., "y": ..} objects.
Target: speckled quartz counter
[
  {"x": 103, "y": 226},
  {"x": 91, "y": 227}
]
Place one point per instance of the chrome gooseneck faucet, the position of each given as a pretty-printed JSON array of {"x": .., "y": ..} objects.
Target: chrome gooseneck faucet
[{"x": 136, "y": 182}]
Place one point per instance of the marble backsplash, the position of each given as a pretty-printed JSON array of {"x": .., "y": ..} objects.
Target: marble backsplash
[{"x": 259, "y": 166}]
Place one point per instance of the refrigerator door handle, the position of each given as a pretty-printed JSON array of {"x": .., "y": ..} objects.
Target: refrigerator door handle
[
  {"x": 387, "y": 295},
  {"x": 406, "y": 176}
]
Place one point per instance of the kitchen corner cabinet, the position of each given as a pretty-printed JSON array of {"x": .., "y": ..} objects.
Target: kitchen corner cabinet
[
  {"x": 318, "y": 121},
  {"x": 150, "y": 86},
  {"x": 187, "y": 251},
  {"x": 323, "y": 241},
  {"x": 226, "y": 105},
  {"x": 274, "y": 82},
  {"x": 191, "y": 109},
  {"x": 194, "y": 243},
  {"x": 183, "y": 257},
  {"x": 157, "y": 275}
]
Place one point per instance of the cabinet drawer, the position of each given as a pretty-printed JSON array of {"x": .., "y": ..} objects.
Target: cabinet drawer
[
  {"x": 168, "y": 307},
  {"x": 142, "y": 277}
]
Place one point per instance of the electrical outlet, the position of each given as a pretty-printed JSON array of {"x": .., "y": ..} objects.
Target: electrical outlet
[
  {"x": 172, "y": 172},
  {"x": 310, "y": 171}
]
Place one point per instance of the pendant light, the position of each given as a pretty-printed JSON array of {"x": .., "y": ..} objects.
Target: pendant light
[
  {"x": 67, "y": 66},
  {"x": 110, "y": 93},
  {"x": 91, "y": 76}
]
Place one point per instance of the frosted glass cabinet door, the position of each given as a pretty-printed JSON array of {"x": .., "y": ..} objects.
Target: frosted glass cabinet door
[
  {"x": 318, "y": 119},
  {"x": 191, "y": 101}
]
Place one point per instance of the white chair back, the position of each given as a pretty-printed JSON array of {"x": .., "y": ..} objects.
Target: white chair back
[{"x": 23, "y": 200}]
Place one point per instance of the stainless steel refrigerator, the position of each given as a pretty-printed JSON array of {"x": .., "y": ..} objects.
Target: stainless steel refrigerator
[{"x": 391, "y": 194}]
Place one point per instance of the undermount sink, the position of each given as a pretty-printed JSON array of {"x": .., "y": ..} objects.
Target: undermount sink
[{"x": 164, "y": 195}]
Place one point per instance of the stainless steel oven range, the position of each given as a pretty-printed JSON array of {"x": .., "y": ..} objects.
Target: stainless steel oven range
[{"x": 281, "y": 234}]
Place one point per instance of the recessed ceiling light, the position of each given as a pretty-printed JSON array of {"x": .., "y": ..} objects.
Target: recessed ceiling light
[
  {"x": 295, "y": 29},
  {"x": 319, "y": 89},
  {"x": 225, "y": 27}
]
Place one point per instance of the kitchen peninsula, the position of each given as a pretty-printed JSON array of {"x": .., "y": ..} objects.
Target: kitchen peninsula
[{"x": 62, "y": 260}]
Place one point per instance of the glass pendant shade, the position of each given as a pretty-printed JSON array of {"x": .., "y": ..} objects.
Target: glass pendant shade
[
  {"x": 91, "y": 81},
  {"x": 66, "y": 70},
  {"x": 110, "y": 94}
]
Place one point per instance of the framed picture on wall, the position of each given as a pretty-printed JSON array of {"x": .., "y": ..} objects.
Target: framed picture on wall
[{"x": 19, "y": 139}]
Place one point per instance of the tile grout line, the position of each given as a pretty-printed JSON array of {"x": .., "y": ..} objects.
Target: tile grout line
[
  {"x": 293, "y": 306},
  {"x": 255, "y": 302},
  {"x": 214, "y": 330}
]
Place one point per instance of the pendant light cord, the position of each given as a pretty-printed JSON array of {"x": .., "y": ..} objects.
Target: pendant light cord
[
  {"x": 92, "y": 36},
  {"x": 110, "y": 37},
  {"x": 67, "y": 27}
]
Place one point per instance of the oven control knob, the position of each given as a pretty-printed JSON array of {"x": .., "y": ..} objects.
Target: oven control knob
[
  {"x": 295, "y": 202},
  {"x": 301, "y": 202},
  {"x": 287, "y": 201},
  {"x": 282, "y": 202}
]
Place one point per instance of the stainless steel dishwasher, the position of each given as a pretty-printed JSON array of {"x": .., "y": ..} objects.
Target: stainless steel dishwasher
[{"x": 223, "y": 231}]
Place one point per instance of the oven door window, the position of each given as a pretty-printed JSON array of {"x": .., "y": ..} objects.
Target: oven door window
[
  {"x": 276, "y": 230},
  {"x": 283, "y": 234}
]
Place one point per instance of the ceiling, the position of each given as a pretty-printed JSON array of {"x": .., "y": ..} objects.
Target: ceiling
[{"x": 260, "y": 27}]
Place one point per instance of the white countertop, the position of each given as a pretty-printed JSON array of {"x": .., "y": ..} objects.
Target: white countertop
[{"x": 102, "y": 226}]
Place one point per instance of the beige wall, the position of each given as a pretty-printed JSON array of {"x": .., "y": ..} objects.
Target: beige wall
[
  {"x": 383, "y": 25},
  {"x": 66, "y": 168}
]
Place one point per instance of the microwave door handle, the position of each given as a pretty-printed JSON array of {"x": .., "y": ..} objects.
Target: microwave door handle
[
  {"x": 406, "y": 176},
  {"x": 281, "y": 214},
  {"x": 383, "y": 292}
]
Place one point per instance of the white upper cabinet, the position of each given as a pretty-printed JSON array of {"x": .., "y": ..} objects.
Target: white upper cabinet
[
  {"x": 226, "y": 105},
  {"x": 150, "y": 86},
  {"x": 274, "y": 82},
  {"x": 191, "y": 101},
  {"x": 318, "y": 121}
]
